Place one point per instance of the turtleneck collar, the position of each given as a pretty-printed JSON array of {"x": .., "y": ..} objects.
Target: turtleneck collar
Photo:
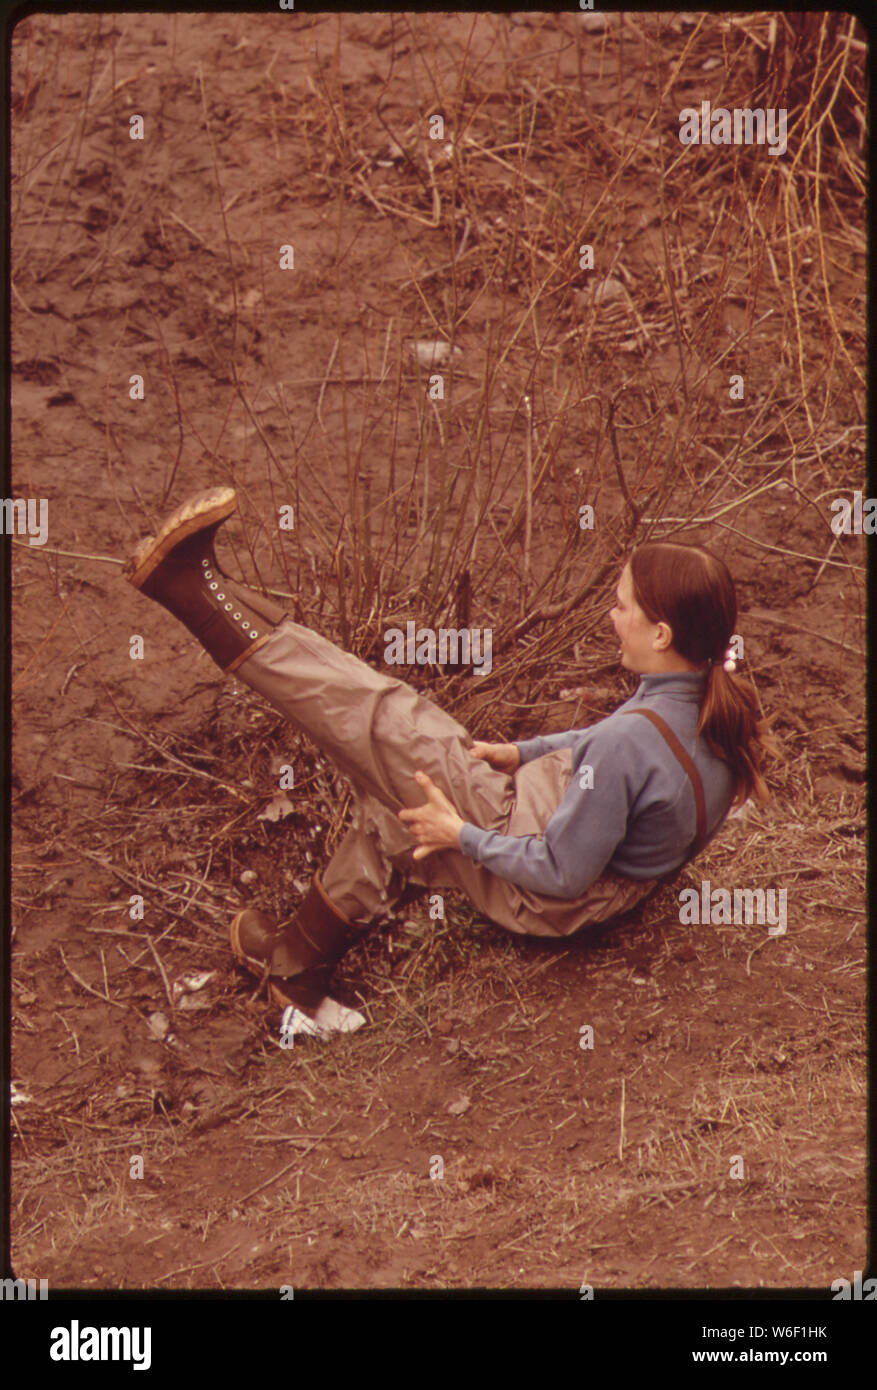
[{"x": 687, "y": 683}]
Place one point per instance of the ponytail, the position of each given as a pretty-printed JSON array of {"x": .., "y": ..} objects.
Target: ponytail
[{"x": 736, "y": 731}]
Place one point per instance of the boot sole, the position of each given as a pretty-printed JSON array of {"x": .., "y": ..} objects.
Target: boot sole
[
  {"x": 193, "y": 515},
  {"x": 248, "y": 962}
]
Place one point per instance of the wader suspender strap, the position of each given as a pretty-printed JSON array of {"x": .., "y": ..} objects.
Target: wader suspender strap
[{"x": 693, "y": 775}]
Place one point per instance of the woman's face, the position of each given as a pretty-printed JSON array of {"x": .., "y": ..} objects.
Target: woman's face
[{"x": 642, "y": 642}]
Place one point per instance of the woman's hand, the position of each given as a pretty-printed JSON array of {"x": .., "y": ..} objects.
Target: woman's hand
[
  {"x": 434, "y": 825},
  {"x": 504, "y": 757}
]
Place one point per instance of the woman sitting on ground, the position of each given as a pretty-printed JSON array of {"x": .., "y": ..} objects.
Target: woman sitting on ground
[{"x": 545, "y": 836}]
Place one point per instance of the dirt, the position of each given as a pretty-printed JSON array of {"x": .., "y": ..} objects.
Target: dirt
[{"x": 609, "y": 1166}]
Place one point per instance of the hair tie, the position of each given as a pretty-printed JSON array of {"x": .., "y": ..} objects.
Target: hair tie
[{"x": 729, "y": 661}]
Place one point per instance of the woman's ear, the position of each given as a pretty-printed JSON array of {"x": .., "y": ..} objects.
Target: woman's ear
[{"x": 663, "y": 639}]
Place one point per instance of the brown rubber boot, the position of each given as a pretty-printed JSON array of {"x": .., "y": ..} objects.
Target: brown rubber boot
[
  {"x": 299, "y": 955},
  {"x": 178, "y": 568}
]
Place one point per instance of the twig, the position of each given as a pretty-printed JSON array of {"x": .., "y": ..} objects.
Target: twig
[
  {"x": 761, "y": 616},
  {"x": 277, "y": 1176},
  {"x": 69, "y": 554},
  {"x": 178, "y": 940},
  {"x": 336, "y": 380},
  {"x": 781, "y": 550},
  {"x": 294, "y": 1139},
  {"x": 137, "y": 881},
  {"x": 69, "y": 676},
  {"x": 754, "y": 949},
  {"x": 162, "y": 972},
  {"x": 325, "y": 380},
  {"x": 199, "y": 1265},
  {"x": 20, "y": 1134},
  {"x": 24, "y": 306},
  {"x": 184, "y": 767},
  {"x": 621, "y": 1124},
  {"x": 105, "y": 999},
  {"x": 528, "y": 522},
  {"x": 103, "y": 963},
  {"x": 634, "y": 509},
  {"x": 192, "y": 231},
  {"x": 818, "y": 574}
]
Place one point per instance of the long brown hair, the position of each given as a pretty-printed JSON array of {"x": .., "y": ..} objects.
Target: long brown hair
[{"x": 691, "y": 589}]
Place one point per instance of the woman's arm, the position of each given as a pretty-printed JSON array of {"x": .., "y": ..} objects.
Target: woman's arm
[
  {"x": 583, "y": 834},
  {"x": 530, "y": 748},
  {"x": 578, "y": 842}
]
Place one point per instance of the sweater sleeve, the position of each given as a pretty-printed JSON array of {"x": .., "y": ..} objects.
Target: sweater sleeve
[
  {"x": 584, "y": 832},
  {"x": 530, "y": 748}
]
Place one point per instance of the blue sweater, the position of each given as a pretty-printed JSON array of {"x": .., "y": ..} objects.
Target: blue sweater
[{"x": 638, "y": 818}]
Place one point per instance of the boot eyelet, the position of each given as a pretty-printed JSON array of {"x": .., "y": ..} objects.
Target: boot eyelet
[
  {"x": 237, "y": 617},
  {"x": 208, "y": 574},
  {"x": 204, "y": 564},
  {"x": 245, "y": 626},
  {"x": 228, "y": 607},
  {"x": 214, "y": 585},
  {"x": 220, "y": 597},
  {"x": 253, "y": 635}
]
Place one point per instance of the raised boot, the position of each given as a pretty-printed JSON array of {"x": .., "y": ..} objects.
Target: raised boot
[
  {"x": 297, "y": 956},
  {"x": 178, "y": 568}
]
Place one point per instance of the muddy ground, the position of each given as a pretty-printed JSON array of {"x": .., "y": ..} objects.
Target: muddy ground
[{"x": 263, "y": 1167}]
